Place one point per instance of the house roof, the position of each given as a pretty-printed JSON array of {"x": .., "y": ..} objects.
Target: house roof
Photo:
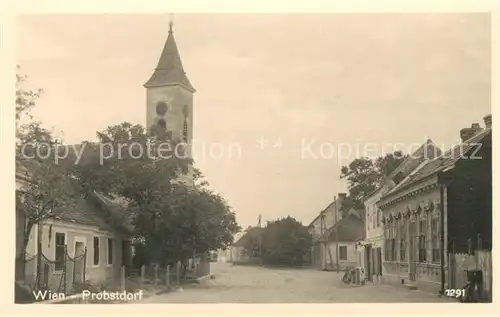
[
  {"x": 95, "y": 210},
  {"x": 350, "y": 229},
  {"x": 251, "y": 233},
  {"x": 433, "y": 166},
  {"x": 337, "y": 203},
  {"x": 169, "y": 70},
  {"x": 424, "y": 151}
]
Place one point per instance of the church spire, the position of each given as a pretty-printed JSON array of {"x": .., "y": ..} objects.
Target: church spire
[{"x": 169, "y": 70}]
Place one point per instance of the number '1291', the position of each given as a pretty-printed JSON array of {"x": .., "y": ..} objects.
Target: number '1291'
[{"x": 455, "y": 292}]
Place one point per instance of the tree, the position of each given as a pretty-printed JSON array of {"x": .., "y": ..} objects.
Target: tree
[
  {"x": 172, "y": 220},
  {"x": 285, "y": 242},
  {"x": 364, "y": 175},
  {"x": 47, "y": 186}
]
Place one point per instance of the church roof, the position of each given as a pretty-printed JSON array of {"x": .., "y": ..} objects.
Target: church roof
[{"x": 169, "y": 70}]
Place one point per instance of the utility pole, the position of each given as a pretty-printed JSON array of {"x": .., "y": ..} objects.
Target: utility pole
[
  {"x": 324, "y": 245},
  {"x": 260, "y": 238},
  {"x": 336, "y": 234}
]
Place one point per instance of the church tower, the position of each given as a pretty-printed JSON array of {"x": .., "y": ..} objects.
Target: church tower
[{"x": 169, "y": 94}]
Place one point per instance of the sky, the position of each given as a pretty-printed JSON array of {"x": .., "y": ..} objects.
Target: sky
[{"x": 276, "y": 92}]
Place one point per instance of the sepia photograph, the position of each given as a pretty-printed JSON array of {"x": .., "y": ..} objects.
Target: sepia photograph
[{"x": 253, "y": 158}]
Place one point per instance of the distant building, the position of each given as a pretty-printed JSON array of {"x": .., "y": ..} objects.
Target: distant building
[
  {"x": 325, "y": 220},
  {"x": 246, "y": 250},
  {"x": 342, "y": 238}
]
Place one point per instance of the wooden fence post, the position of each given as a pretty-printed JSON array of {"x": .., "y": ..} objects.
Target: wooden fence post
[
  {"x": 178, "y": 275},
  {"x": 167, "y": 277},
  {"x": 156, "y": 274},
  {"x": 84, "y": 264},
  {"x": 65, "y": 271},
  {"x": 122, "y": 278},
  {"x": 143, "y": 274}
]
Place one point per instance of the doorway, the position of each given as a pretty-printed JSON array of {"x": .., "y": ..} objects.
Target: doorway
[
  {"x": 79, "y": 264},
  {"x": 379, "y": 261},
  {"x": 368, "y": 261}
]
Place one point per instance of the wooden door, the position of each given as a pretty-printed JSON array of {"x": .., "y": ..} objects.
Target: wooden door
[
  {"x": 368, "y": 268},
  {"x": 379, "y": 261}
]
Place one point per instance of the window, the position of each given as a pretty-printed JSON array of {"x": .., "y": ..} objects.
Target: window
[
  {"x": 378, "y": 217},
  {"x": 96, "y": 250},
  {"x": 60, "y": 251},
  {"x": 374, "y": 218},
  {"x": 110, "y": 251},
  {"x": 422, "y": 250},
  {"x": 435, "y": 231},
  {"x": 390, "y": 242},
  {"x": 387, "y": 235},
  {"x": 402, "y": 240},
  {"x": 185, "y": 131},
  {"x": 394, "y": 235},
  {"x": 342, "y": 253}
]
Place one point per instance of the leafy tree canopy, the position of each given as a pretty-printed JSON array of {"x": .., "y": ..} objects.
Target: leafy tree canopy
[
  {"x": 364, "y": 175},
  {"x": 46, "y": 186},
  {"x": 173, "y": 221},
  {"x": 283, "y": 242}
]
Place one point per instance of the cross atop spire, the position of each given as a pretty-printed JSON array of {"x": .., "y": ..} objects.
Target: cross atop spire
[{"x": 171, "y": 23}]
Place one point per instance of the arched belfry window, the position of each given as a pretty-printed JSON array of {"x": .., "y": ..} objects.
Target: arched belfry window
[{"x": 185, "y": 131}]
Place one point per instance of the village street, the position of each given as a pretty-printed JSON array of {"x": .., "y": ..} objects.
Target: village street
[{"x": 248, "y": 284}]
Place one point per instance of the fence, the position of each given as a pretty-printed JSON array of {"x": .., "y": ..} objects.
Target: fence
[
  {"x": 43, "y": 274},
  {"x": 459, "y": 263},
  {"x": 151, "y": 275},
  {"x": 170, "y": 275}
]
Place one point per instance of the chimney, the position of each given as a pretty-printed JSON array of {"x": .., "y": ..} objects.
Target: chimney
[
  {"x": 487, "y": 121},
  {"x": 467, "y": 133},
  {"x": 342, "y": 196}
]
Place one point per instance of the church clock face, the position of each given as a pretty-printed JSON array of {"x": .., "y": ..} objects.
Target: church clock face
[{"x": 161, "y": 108}]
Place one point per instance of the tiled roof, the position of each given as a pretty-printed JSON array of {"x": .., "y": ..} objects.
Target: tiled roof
[
  {"x": 85, "y": 213},
  {"x": 169, "y": 70},
  {"x": 95, "y": 210},
  {"x": 118, "y": 214},
  {"x": 448, "y": 159},
  {"x": 426, "y": 150},
  {"x": 349, "y": 229},
  {"x": 88, "y": 212}
]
